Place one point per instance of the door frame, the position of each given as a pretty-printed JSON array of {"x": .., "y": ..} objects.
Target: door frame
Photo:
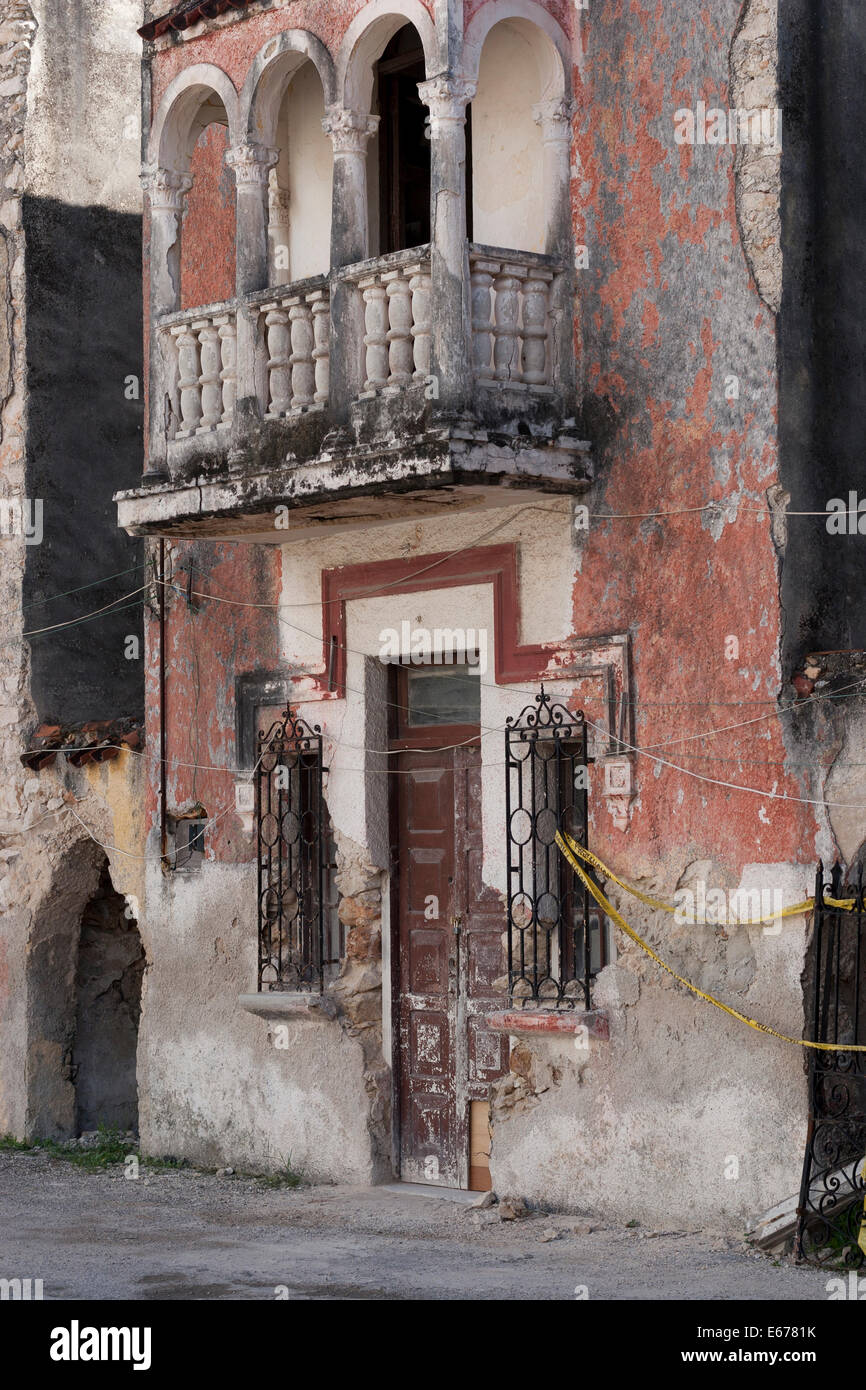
[{"x": 400, "y": 739}]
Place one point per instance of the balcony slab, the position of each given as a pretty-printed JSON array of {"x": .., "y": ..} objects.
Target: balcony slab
[{"x": 359, "y": 485}]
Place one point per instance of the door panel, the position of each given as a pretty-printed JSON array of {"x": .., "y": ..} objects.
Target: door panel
[{"x": 450, "y": 954}]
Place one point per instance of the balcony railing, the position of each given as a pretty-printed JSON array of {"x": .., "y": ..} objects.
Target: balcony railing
[
  {"x": 511, "y": 319},
  {"x": 200, "y": 347},
  {"x": 298, "y": 330},
  {"x": 397, "y": 319},
  {"x": 511, "y": 338}
]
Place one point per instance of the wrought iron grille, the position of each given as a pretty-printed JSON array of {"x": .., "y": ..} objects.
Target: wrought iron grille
[
  {"x": 555, "y": 934},
  {"x": 299, "y": 931},
  {"x": 833, "y": 1185}
]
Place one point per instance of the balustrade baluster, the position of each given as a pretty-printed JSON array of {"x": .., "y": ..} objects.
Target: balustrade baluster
[
  {"x": 376, "y": 336},
  {"x": 535, "y": 303},
  {"x": 303, "y": 366},
  {"x": 321, "y": 349},
  {"x": 211, "y": 385},
  {"x": 420, "y": 286},
  {"x": 279, "y": 368},
  {"x": 506, "y": 358},
  {"x": 188, "y": 382},
  {"x": 229, "y": 363},
  {"x": 401, "y": 351}
]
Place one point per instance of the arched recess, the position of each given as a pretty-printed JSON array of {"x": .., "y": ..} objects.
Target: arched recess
[
  {"x": 85, "y": 964},
  {"x": 521, "y": 77},
  {"x": 195, "y": 98},
  {"x": 197, "y": 122},
  {"x": 553, "y": 57},
  {"x": 283, "y": 104},
  {"x": 388, "y": 50},
  {"x": 366, "y": 39}
]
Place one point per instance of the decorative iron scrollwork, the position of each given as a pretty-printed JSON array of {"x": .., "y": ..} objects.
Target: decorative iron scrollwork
[
  {"x": 296, "y": 937},
  {"x": 555, "y": 935}
]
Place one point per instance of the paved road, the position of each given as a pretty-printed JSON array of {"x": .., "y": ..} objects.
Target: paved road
[{"x": 188, "y": 1236}]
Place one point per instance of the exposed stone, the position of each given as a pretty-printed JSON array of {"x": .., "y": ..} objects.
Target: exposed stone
[{"x": 513, "y": 1209}]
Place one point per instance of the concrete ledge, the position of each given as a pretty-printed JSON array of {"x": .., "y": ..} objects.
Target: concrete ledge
[
  {"x": 537, "y": 1022},
  {"x": 288, "y": 1006}
]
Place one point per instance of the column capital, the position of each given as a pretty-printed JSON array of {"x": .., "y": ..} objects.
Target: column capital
[
  {"x": 252, "y": 163},
  {"x": 349, "y": 130},
  {"x": 165, "y": 188},
  {"x": 278, "y": 206},
  {"x": 447, "y": 97},
  {"x": 554, "y": 117}
]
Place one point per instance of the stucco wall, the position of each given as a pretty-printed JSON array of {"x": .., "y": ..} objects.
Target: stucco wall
[{"x": 70, "y": 139}]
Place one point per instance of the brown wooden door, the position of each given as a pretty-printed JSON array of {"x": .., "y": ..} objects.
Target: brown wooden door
[{"x": 449, "y": 953}]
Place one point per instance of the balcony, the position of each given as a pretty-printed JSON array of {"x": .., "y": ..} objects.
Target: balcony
[
  {"x": 379, "y": 431},
  {"x": 385, "y": 385}
]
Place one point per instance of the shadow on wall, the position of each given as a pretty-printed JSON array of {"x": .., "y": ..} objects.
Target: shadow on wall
[{"x": 84, "y": 977}]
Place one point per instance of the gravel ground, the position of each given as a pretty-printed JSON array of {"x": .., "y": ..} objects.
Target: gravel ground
[{"x": 186, "y": 1235}]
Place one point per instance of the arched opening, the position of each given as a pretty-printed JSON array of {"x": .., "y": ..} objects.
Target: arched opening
[
  {"x": 208, "y": 231},
  {"x": 400, "y": 161},
  {"x": 299, "y": 202},
  {"x": 85, "y": 970},
  {"x": 108, "y": 981},
  {"x": 508, "y": 194}
]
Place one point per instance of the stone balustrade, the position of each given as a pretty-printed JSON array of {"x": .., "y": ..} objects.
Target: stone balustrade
[
  {"x": 201, "y": 347},
  {"x": 511, "y": 318},
  {"x": 512, "y": 344},
  {"x": 297, "y": 326},
  {"x": 397, "y": 320}
]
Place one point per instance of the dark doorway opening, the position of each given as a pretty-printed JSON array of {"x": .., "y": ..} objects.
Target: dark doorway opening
[
  {"x": 108, "y": 981},
  {"x": 404, "y": 149}
]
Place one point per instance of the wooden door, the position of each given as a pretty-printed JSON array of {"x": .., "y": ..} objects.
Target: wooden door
[{"x": 448, "y": 947}]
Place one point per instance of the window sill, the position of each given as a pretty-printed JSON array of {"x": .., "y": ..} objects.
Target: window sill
[
  {"x": 537, "y": 1022},
  {"x": 286, "y": 1007}
]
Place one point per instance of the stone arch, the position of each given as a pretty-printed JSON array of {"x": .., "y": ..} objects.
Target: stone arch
[
  {"x": 551, "y": 44},
  {"x": 273, "y": 67},
  {"x": 197, "y": 97},
  {"x": 516, "y": 58},
  {"x": 54, "y": 979},
  {"x": 366, "y": 37}
]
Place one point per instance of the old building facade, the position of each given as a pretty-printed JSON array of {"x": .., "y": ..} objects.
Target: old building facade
[{"x": 466, "y": 510}]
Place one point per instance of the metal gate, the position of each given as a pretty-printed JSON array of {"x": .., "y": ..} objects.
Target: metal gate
[
  {"x": 299, "y": 934},
  {"x": 555, "y": 936},
  {"x": 832, "y": 1191}
]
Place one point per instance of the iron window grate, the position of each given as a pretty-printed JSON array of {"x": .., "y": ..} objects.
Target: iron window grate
[{"x": 555, "y": 935}]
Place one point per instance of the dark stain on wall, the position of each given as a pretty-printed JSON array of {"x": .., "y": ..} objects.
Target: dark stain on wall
[
  {"x": 822, "y": 330},
  {"x": 84, "y": 336}
]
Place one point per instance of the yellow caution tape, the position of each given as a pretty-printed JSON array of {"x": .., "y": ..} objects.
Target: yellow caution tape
[
  {"x": 845, "y": 904},
  {"x": 608, "y": 908}
]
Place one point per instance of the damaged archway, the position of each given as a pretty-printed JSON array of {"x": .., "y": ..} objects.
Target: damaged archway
[{"x": 85, "y": 965}]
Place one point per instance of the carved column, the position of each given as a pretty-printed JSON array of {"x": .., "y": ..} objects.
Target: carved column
[
  {"x": 252, "y": 165},
  {"x": 447, "y": 97},
  {"x": 350, "y": 133},
  {"x": 165, "y": 190},
  {"x": 554, "y": 118}
]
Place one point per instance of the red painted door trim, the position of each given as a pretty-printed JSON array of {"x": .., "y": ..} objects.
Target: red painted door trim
[{"x": 494, "y": 564}]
